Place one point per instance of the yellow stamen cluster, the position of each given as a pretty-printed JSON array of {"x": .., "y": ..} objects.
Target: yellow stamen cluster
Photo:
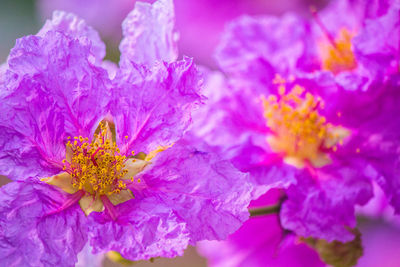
[
  {"x": 298, "y": 131},
  {"x": 96, "y": 167},
  {"x": 338, "y": 56}
]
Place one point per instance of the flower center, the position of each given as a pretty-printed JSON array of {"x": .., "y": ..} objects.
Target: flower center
[
  {"x": 96, "y": 167},
  {"x": 337, "y": 55},
  {"x": 298, "y": 131}
]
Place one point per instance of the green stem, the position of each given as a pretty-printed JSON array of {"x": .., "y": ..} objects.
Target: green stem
[{"x": 265, "y": 210}]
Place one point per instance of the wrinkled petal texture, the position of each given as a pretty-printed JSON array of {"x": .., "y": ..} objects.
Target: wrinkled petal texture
[
  {"x": 377, "y": 45},
  {"x": 145, "y": 228},
  {"x": 212, "y": 207},
  {"x": 260, "y": 242},
  {"x": 149, "y": 34},
  {"x": 76, "y": 28},
  {"x": 52, "y": 91},
  {"x": 256, "y": 45},
  {"x": 322, "y": 203},
  {"x": 29, "y": 235},
  {"x": 153, "y": 106},
  {"x": 187, "y": 195},
  {"x": 267, "y": 170}
]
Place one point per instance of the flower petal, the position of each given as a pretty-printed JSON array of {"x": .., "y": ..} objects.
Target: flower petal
[
  {"x": 205, "y": 192},
  {"x": 149, "y": 34},
  {"x": 29, "y": 235},
  {"x": 152, "y": 106},
  {"x": 253, "y": 45},
  {"x": 63, "y": 181},
  {"x": 145, "y": 228},
  {"x": 322, "y": 206},
  {"x": 76, "y": 28},
  {"x": 89, "y": 203}
]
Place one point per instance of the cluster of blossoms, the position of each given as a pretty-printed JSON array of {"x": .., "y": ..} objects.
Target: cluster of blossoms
[{"x": 105, "y": 158}]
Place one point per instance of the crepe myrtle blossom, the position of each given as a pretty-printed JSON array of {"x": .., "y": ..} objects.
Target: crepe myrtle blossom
[
  {"x": 320, "y": 137},
  {"x": 260, "y": 241},
  {"x": 311, "y": 137},
  {"x": 102, "y": 161},
  {"x": 355, "y": 41}
]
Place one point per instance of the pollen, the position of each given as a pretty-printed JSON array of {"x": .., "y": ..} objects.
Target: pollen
[
  {"x": 297, "y": 130},
  {"x": 337, "y": 55},
  {"x": 96, "y": 167}
]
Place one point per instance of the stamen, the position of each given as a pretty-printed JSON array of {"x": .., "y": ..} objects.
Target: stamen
[
  {"x": 315, "y": 15},
  {"x": 97, "y": 167},
  {"x": 298, "y": 131},
  {"x": 337, "y": 55}
]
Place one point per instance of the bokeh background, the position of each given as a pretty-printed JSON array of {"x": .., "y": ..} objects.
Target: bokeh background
[{"x": 200, "y": 24}]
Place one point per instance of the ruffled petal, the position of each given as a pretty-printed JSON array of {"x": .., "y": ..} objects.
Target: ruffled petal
[
  {"x": 149, "y": 34},
  {"x": 377, "y": 45},
  {"x": 323, "y": 201},
  {"x": 76, "y": 28},
  {"x": 145, "y": 228},
  {"x": 153, "y": 106},
  {"x": 51, "y": 91},
  {"x": 208, "y": 194},
  {"x": 233, "y": 111},
  {"x": 267, "y": 169},
  {"x": 262, "y": 46},
  {"x": 29, "y": 235}
]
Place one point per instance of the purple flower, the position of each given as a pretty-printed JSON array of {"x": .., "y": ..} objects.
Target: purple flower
[
  {"x": 103, "y": 161},
  {"x": 260, "y": 242},
  {"x": 320, "y": 136}
]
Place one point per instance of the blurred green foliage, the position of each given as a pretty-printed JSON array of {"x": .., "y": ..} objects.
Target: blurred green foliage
[{"x": 17, "y": 18}]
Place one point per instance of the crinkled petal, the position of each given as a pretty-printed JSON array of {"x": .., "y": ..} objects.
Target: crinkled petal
[
  {"x": 205, "y": 192},
  {"x": 145, "y": 228},
  {"x": 377, "y": 45},
  {"x": 76, "y": 28},
  {"x": 322, "y": 203},
  {"x": 267, "y": 169},
  {"x": 233, "y": 111},
  {"x": 255, "y": 44},
  {"x": 153, "y": 106},
  {"x": 149, "y": 34},
  {"x": 29, "y": 235},
  {"x": 51, "y": 91}
]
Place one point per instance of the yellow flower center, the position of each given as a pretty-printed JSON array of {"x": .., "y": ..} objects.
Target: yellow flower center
[
  {"x": 96, "y": 174},
  {"x": 337, "y": 55},
  {"x": 298, "y": 131},
  {"x": 96, "y": 167}
]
